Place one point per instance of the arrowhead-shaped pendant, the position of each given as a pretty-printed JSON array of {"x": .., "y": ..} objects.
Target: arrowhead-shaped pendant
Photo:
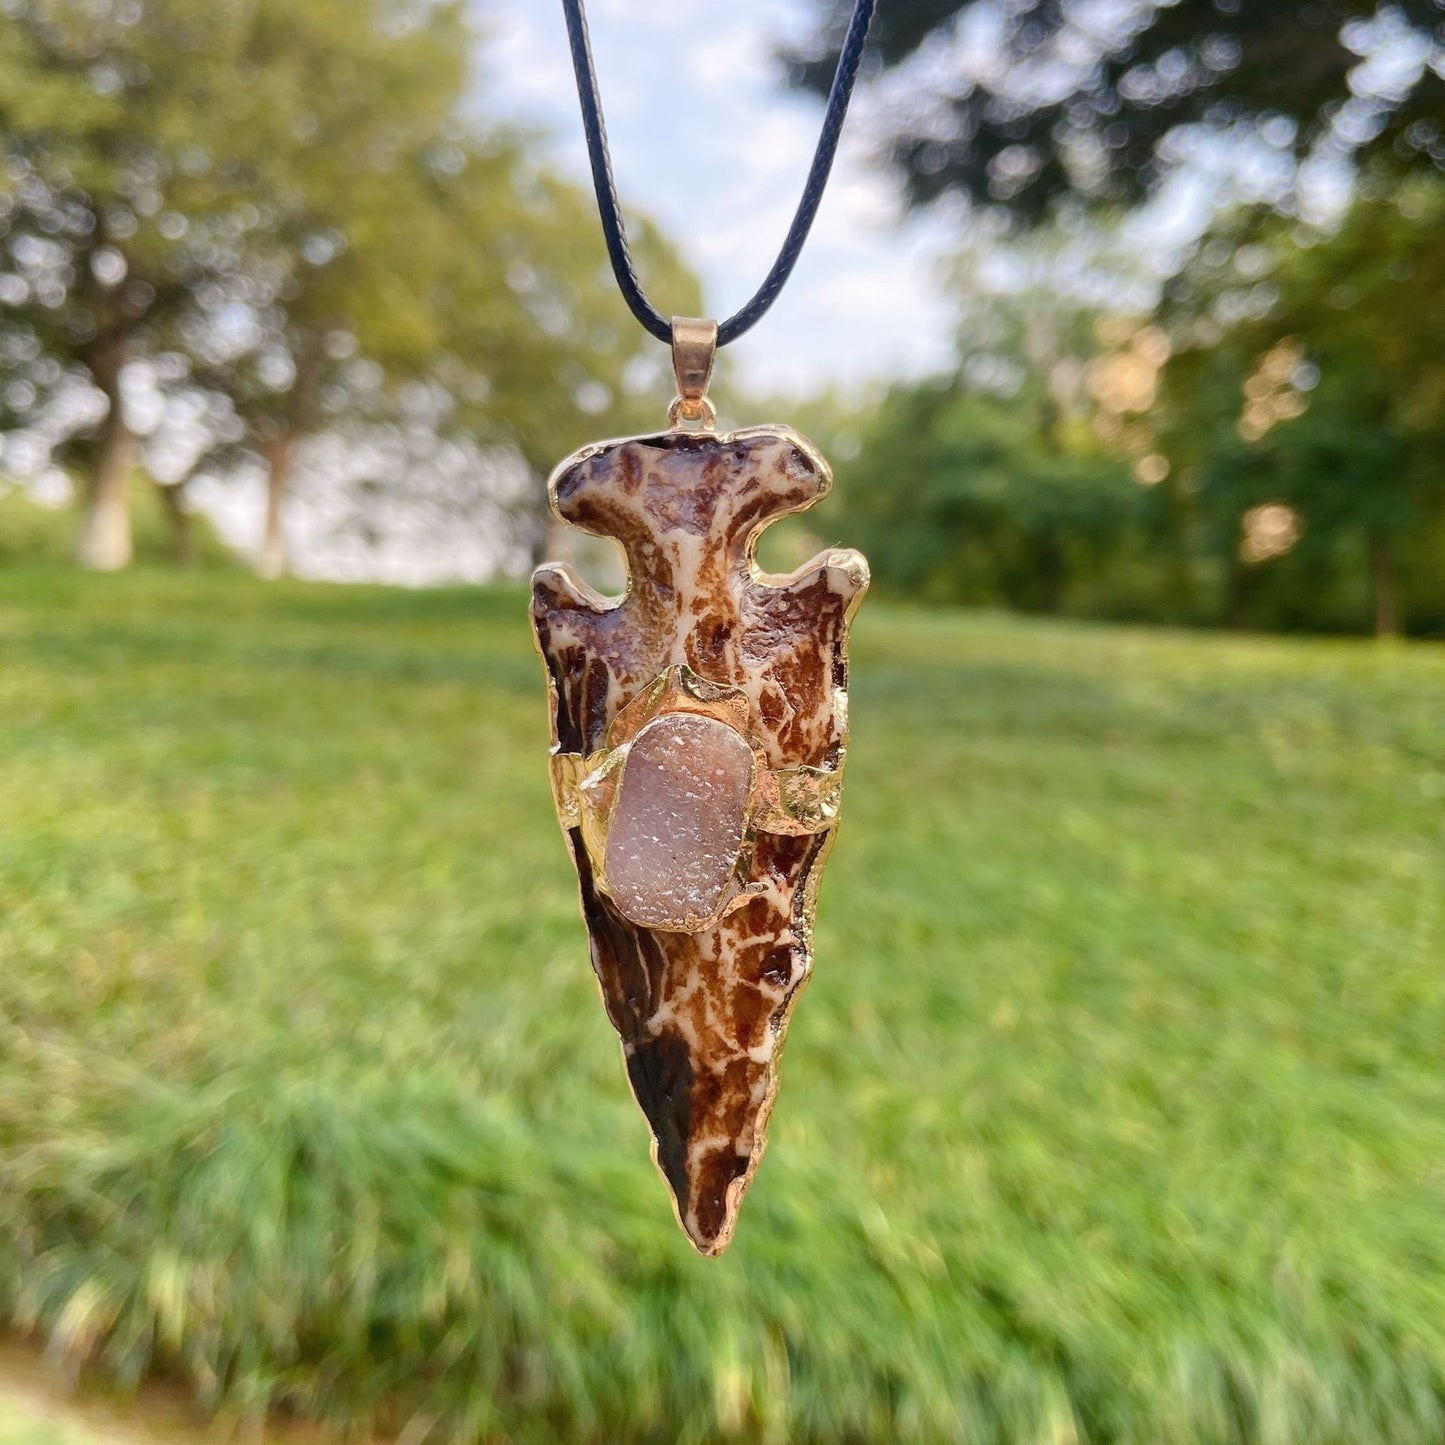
[{"x": 698, "y": 732}]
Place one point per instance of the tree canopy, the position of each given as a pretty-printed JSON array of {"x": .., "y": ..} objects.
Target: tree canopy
[
  {"x": 287, "y": 213},
  {"x": 1307, "y": 433},
  {"x": 1034, "y": 101}
]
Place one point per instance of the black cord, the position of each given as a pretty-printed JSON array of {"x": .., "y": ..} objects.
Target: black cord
[{"x": 615, "y": 232}]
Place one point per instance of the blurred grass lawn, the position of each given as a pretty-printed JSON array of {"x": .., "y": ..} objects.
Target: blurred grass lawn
[
  {"x": 19, "y": 1427},
  {"x": 1115, "y": 1111}
]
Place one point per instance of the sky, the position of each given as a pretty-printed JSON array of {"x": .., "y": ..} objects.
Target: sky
[{"x": 707, "y": 139}]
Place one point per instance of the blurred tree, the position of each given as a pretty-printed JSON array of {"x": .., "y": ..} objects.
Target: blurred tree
[
  {"x": 426, "y": 276},
  {"x": 285, "y": 196},
  {"x": 1289, "y": 447},
  {"x": 1017, "y": 479},
  {"x": 475, "y": 309},
  {"x": 1030, "y": 102},
  {"x": 113, "y": 206},
  {"x": 360, "y": 160},
  {"x": 569, "y": 359},
  {"x": 992, "y": 487},
  {"x": 1282, "y": 414},
  {"x": 1305, "y": 410},
  {"x": 159, "y": 154}
]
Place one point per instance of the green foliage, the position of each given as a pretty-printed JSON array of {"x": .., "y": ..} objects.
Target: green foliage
[
  {"x": 1113, "y": 1114},
  {"x": 965, "y": 499},
  {"x": 1064, "y": 101},
  {"x": 291, "y": 211},
  {"x": 1291, "y": 442},
  {"x": 174, "y": 146},
  {"x": 1333, "y": 405},
  {"x": 583, "y": 362}
]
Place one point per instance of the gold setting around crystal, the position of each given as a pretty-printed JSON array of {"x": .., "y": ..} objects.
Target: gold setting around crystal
[{"x": 793, "y": 801}]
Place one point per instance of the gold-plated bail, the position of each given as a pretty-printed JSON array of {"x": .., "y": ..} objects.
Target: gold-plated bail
[{"x": 694, "y": 347}]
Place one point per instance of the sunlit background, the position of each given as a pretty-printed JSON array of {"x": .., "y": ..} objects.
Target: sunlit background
[{"x": 1116, "y": 1110}]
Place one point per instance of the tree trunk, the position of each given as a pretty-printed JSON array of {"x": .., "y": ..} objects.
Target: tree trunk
[
  {"x": 182, "y": 532},
  {"x": 105, "y": 539},
  {"x": 1385, "y": 587},
  {"x": 272, "y": 560},
  {"x": 278, "y": 446}
]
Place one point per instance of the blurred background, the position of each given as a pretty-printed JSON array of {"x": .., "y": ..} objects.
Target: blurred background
[{"x": 1117, "y": 1111}]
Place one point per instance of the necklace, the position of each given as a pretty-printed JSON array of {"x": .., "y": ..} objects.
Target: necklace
[{"x": 699, "y": 722}]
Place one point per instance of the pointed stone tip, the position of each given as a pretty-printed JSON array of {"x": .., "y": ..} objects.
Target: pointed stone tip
[
  {"x": 710, "y": 1248},
  {"x": 706, "y": 1184},
  {"x": 709, "y": 1244},
  {"x": 709, "y": 1209}
]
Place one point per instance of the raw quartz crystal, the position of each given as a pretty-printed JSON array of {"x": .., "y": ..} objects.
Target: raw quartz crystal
[
  {"x": 701, "y": 1014},
  {"x": 679, "y": 822}
]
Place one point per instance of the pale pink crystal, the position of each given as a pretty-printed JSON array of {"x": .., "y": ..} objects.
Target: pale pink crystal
[{"x": 681, "y": 812}]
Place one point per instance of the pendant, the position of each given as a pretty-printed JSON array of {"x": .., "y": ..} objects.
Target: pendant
[{"x": 699, "y": 724}]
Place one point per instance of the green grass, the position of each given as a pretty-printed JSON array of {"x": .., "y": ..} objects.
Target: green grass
[{"x": 1115, "y": 1111}]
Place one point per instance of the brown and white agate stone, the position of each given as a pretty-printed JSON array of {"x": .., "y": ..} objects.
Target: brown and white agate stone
[{"x": 698, "y": 731}]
